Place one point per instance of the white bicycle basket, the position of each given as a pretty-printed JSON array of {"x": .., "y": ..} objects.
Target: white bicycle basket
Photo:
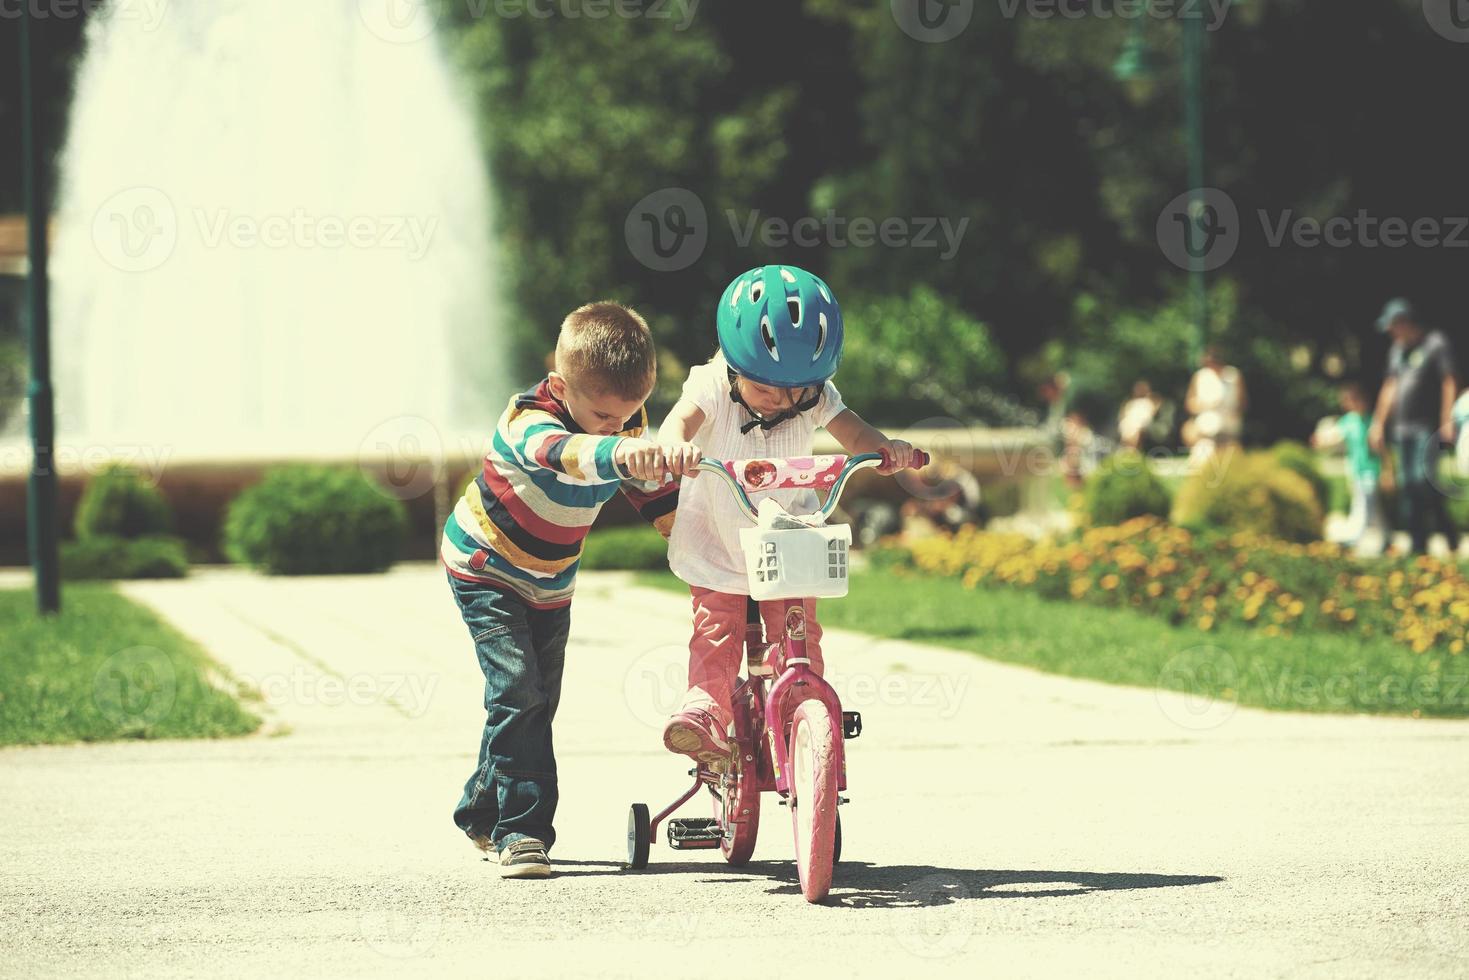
[{"x": 786, "y": 558}]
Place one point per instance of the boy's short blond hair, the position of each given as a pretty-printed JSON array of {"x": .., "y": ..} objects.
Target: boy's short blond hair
[{"x": 607, "y": 348}]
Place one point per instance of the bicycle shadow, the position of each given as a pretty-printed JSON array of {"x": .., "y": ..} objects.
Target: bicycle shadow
[{"x": 858, "y": 884}]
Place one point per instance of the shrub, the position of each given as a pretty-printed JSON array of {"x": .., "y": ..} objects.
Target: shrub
[
  {"x": 1239, "y": 491},
  {"x": 1122, "y": 488},
  {"x": 306, "y": 519},
  {"x": 118, "y": 502},
  {"x": 632, "y": 548},
  {"x": 111, "y": 557},
  {"x": 1300, "y": 460}
]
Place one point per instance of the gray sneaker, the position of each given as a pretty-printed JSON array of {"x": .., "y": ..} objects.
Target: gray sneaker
[{"x": 526, "y": 858}]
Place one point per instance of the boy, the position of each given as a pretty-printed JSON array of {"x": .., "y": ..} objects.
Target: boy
[{"x": 511, "y": 548}]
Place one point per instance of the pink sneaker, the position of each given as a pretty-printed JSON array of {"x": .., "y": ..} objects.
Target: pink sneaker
[{"x": 696, "y": 733}]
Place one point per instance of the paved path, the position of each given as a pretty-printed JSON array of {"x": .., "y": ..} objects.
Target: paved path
[{"x": 1001, "y": 820}]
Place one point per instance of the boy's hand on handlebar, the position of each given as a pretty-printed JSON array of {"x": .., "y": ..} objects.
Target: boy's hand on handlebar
[
  {"x": 683, "y": 458},
  {"x": 643, "y": 460},
  {"x": 897, "y": 455}
]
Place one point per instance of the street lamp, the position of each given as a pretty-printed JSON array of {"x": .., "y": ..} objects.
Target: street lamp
[
  {"x": 1136, "y": 63},
  {"x": 41, "y": 510}
]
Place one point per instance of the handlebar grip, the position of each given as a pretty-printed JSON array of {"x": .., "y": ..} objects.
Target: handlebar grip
[{"x": 919, "y": 461}]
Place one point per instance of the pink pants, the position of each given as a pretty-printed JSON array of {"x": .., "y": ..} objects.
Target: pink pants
[{"x": 717, "y": 646}]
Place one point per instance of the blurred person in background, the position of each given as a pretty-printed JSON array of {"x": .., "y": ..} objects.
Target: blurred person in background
[
  {"x": 1135, "y": 420},
  {"x": 1364, "y": 466},
  {"x": 1216, "y": 401},
  {"x": 1418, "y": 399}
]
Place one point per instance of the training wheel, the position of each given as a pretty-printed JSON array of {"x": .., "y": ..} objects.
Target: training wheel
[{"x": 639, "y": 835}]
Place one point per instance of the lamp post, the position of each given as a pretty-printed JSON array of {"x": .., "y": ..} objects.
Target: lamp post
[
  {"x": 41, "y": 509},
  {"x": 1135, "y": 63}
]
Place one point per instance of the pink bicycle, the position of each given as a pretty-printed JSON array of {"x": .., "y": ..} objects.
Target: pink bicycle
[{"x": 791, "y": 739}]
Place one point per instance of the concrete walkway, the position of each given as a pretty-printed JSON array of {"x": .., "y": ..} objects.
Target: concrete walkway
[{"x": 1002, "y": 822}]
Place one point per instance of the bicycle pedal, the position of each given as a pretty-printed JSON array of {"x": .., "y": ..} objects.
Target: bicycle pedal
[
  {"x": 694, "y": 833},
  {"x": 851, "y": 724}
]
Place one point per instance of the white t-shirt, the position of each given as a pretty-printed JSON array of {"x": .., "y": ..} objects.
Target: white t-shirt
[{"x": 704, "y": 548}]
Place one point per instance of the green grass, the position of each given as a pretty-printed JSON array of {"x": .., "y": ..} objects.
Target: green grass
[
  {"x": 1310, "y": 672},
  {"x": 105, "y": 669}
]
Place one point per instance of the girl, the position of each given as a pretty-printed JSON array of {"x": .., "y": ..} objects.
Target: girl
[{"x": 761, "y": 396}]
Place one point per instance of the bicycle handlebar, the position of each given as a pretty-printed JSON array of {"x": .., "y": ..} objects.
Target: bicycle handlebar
[{"x": 854, "y": 463}]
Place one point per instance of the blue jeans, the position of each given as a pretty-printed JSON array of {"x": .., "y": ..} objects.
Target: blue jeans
[
  {"x": 512, "y": 792},
  {"x": 1423, "y": 501}
]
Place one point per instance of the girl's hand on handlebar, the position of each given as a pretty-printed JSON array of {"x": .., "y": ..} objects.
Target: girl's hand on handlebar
[
  {"x": 683, "y": 458},
  {"x": 897, "y": 455},
  {"x": 643, "y": 460}
]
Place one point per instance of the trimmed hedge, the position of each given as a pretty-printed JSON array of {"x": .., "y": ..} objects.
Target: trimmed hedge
[
  {"x": 633, "y": 548},
  {"x": 305, "y": 519},
  {"x": 108, "y": 556},
  {"x": 1253, "y": 492},
  {"x": 118, "y": 502},
  {"x": 1123, "y": 487}
]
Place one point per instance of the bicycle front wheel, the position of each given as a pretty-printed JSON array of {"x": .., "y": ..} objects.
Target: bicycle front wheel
[{"x": 813, "y": 800}]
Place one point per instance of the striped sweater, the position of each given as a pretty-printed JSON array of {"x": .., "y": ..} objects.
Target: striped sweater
[{"x": 521, "y": 522}]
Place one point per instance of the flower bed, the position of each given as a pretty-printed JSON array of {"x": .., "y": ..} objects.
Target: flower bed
[{"x": 1245, "y": 579}]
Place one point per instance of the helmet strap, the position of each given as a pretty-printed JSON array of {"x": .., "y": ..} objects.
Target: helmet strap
[{"x": 757, "y": 420}]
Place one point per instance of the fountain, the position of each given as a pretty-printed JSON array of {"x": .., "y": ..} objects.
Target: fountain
[{"x": 271, "y": 240}]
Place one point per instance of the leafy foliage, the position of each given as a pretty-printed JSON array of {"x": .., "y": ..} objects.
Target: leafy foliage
[
  {"x": 1240, "y": 491},
  {"x": 1123, "y": 487},
  {"x": 307, "y": 519},
  {"x": 110, "y": 557},
  {"x": 119, "y": 502}
]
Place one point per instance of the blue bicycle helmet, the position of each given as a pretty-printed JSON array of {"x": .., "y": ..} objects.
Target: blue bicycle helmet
[{"x": 780, "y": 326}]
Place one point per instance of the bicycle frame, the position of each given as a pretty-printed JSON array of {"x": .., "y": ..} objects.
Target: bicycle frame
[{"x": 761, "y": 717}]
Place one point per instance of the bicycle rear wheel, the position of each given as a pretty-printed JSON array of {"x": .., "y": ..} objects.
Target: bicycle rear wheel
[
  {"x": 738, "y": 810},
  {"x": 814, "y": 799}
]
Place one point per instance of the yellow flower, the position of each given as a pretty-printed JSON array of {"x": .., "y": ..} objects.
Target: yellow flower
[
  {"x": 1109, "y": 582},
  {"x": 1206, "y": 622}
]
